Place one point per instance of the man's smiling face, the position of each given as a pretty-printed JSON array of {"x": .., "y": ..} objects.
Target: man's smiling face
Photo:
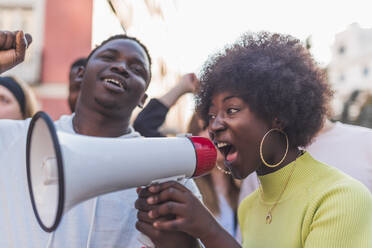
[{"x": 116, "y": 77}]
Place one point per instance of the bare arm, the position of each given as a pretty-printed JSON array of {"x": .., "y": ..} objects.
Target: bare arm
[
  {"x": 153, "y": 115},
  {"x": 187, "y": 84}
]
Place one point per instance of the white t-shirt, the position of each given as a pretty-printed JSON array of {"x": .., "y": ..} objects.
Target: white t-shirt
[
  {"x": 111, "y": 220},
  {"x": 226, "y": 218},
  {"x": 346, "y": 147}
]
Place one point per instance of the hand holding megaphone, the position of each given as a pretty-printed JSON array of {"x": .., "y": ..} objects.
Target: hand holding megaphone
[
  {"x": 13, "y": 47},
  {"x": 151, "y": 237},
  {"x": 188, "y": 215}
]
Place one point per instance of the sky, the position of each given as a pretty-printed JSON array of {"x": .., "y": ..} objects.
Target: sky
[
  {"x": 197, "y": 28},
  {"x": 214, "y": 23}
]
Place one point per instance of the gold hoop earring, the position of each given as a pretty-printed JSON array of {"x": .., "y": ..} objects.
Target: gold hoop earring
[{"x": 286, "y": 150}]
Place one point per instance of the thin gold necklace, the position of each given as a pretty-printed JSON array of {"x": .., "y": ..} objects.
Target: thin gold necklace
[
  {"x": 269, "y": 216},
  {"x": 223, "y": 170}
]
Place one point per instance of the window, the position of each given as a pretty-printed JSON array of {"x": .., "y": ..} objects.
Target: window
[
  {"x": 365, "y": 71},
  {"x": 341, "y": 50},
  {"x": 341, "y": 78}
]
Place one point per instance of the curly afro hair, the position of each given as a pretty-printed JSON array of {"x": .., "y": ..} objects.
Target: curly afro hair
[{"x": 276, "y": 76}]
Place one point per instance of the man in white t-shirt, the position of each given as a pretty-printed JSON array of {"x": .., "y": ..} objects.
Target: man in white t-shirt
[{"x": 113, "y": 83}]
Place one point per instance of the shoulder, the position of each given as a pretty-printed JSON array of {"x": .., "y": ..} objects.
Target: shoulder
[
  {"x": 12, "y": 130},
  {"x": 352, "y": 131},
  {"x": 347, "y": 191},
  {"x": 64, "y": 123},
  {"x": 342, "y": 204},
  {"x": 340, "y": 216},
  {"x": 354, "y": 128},
  {"x": 334, "y": 197},
  {"x": 327, "y": 180},
  {"x": 342, "y": 137},
  {"x": 14, "y": 125},
  {"x": 328, "y": 183}
]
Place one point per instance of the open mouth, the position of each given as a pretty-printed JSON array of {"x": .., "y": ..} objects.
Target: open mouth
[
  {"x": 227, "y": 150},
  {"x": 115, "y": 83}
]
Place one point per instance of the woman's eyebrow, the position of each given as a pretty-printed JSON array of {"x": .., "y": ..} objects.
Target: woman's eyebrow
[{"x": 229, "y": 97}]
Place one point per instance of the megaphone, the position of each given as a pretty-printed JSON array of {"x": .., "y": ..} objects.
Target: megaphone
[{"x": 64, "y": 169}]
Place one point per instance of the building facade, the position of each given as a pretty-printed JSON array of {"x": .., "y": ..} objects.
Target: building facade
[
  {"x": 61, "y": 32},
  {"x": 350, "y": 68}
]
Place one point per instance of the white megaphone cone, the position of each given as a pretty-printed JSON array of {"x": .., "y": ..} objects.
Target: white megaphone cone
[{"x": 64, "y": 170}]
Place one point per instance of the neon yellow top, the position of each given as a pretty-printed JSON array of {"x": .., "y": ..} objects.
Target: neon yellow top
[{"x": 321, "y": 207}]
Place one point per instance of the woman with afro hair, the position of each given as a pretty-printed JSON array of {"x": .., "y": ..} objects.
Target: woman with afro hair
[{"x": 262, "y": 99}]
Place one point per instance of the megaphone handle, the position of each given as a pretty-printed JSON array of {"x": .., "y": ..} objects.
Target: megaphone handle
[{"x": 145, "y": 240}]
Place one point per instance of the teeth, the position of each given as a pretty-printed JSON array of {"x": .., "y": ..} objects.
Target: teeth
[
  {"x": 221, "y": 144},
  {"x": 113, "y": 81}
]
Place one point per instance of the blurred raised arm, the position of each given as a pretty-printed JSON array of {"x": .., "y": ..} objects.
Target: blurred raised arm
[{"x": 153, "y": 115}]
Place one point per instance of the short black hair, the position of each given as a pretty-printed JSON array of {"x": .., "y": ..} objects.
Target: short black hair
[
  {"x": 276, "y": 76},
  {"x": 78, "y": 62},
  {"x": 124, "y": 37}
]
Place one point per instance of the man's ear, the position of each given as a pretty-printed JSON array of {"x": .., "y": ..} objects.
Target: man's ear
[
  {"x": 143, "y": 100},
  {"x": 80, "y": 74}
]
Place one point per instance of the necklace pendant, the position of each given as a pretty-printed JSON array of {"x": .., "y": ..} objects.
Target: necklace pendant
[{"x": 268, "y": 218}]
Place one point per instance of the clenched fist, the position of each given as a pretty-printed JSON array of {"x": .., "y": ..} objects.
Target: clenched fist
[{"x": 13, "y": 47}]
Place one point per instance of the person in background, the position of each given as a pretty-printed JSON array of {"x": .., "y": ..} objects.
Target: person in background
[
  {"x": 153, "y": 115},
  {"x": 263, "y": 98},
  {"x": 74, "y": 82},
  {"x": 17, "y": 100}
]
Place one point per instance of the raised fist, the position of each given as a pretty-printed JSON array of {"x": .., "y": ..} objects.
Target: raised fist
[
  {"x": 189, "y": 82},
  {"x": 13, "y": 47}
]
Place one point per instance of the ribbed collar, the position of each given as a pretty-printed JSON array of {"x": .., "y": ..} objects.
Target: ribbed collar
[
  {"x": 65, "y": 124},
  {"x": 272, "y": 184}
]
